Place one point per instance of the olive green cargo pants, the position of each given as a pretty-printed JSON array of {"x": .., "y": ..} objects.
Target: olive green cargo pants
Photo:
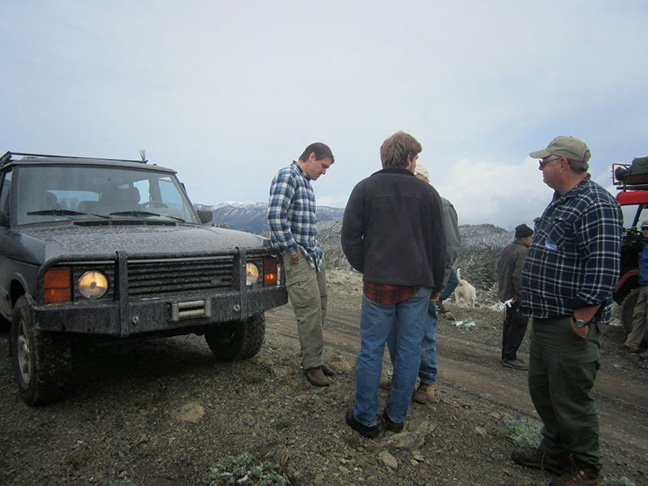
[{"x": 562, "y": 370}]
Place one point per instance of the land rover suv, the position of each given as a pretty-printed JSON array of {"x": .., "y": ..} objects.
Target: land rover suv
[{"x": 111, "y": 252}]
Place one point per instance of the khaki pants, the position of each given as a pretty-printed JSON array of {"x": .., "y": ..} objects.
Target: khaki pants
[
  {"x": 638, "y": 332},
  {"x": 307, "y": 294}
]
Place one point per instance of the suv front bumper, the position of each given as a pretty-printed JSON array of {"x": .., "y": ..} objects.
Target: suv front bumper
[{"x": 155, "y": 315}]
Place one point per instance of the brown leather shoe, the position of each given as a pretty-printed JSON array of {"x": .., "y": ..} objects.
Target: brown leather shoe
[
  {"x": 328, "y": 371},
  {"x": 578, "y": 475},
  {"x": 539, "y": 460},
  {"x": 424, "y": 394},
  {"x": 315, "y": 376}
]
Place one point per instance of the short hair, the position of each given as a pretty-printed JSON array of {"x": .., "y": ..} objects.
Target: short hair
[
  {"x": 578, "y": 166},
  {"x": 395, "y": 150},
  {"x": 321, "y": 151}
]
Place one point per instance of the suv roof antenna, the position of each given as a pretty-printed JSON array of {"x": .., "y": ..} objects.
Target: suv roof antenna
[{"x": 142, "y": 153}]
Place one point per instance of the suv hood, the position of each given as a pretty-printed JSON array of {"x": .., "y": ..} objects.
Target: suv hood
[{"x": 51, "y": 242}]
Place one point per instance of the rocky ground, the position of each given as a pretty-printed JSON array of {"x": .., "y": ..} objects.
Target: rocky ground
[{"x": 162, "y": 414}]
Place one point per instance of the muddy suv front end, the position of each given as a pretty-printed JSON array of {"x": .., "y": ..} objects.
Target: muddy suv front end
[{"x": 99, "y": 251}]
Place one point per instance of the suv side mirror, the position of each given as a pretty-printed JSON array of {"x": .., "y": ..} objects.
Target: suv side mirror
[{"x": 205, "y": 215}]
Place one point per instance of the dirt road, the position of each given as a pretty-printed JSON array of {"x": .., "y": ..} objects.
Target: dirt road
[
  {"x": 469, "y": 361},
  {"x": 162, "y": 414}
]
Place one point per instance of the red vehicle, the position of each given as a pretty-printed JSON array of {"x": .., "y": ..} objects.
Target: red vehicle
[{"x": 632, "y": 182}]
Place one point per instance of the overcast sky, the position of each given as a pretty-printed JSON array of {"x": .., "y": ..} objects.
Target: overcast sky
[{"x": 228, "y": 92}]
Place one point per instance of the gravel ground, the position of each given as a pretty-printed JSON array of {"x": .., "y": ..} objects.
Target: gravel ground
[{"x": 162, "y": 414}]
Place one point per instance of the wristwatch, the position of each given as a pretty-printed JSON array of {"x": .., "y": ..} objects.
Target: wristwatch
[{"x": 580, "y": 322}]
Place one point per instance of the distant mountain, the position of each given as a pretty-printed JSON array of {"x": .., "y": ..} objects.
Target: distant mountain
[
  {"x": 252, "y": 216},
  {"x": 481, "y": 244}
]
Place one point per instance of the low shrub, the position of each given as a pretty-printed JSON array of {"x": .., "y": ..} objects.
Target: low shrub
[
  {"x": 241, "y": 469},
  {"x": 524, "y": 432}
]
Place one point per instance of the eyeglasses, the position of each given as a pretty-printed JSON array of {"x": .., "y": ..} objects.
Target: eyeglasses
[
  {"x": 542, "y": 163},
  {"x": 644, "y": 228}
]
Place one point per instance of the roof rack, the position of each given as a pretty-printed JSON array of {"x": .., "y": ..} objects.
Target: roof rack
[
  {"x": 8, "y": 156},
  {"x": 620, "y": 173}
]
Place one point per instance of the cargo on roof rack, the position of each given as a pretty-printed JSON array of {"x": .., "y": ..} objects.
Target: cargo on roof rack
[{"x": 633, "y": 176}]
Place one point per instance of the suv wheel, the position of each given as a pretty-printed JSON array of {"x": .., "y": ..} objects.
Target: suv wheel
[
  {"x": 237, "y": 340},
  {"x": 42, "y": 361}
]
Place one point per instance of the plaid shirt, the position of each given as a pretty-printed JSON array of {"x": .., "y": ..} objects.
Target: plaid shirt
[
  {"x": 385, "y": 294},
  {"x": 292, "y": 215},
  {"x": 574, "y": 259}
]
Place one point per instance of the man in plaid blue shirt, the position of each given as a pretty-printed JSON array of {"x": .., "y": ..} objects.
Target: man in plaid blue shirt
[
  {"x": 293, "y": 231},
  {"x": 569, "y": 274}
]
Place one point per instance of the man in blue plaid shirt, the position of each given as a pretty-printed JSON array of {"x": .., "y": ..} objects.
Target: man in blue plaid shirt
[
  {"x": 569, "y": 274},
  {"x": 293, "y": 231}
]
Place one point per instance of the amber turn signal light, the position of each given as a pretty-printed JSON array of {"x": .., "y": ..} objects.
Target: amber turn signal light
[
  {"x": 270, "y": 273},
  {"x": 57, "y": 286}
]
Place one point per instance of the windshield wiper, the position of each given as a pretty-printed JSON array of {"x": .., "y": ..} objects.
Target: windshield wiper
[
  {"x": 69, "y": 212},
  {"x": 146, "y": 214},
  {"x": 64, "y": 212},
  {"x": 134, "y": 213}
]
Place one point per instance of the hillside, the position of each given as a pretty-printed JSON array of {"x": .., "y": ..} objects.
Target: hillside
[{"x": 481, "y": 244}]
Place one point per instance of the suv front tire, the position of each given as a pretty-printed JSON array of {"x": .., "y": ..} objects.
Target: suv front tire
[
  {"x": 42, "y": 360},
  {"x": 238, "y": 339}
]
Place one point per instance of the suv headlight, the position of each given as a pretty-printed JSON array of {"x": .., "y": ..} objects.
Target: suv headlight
[
  {"x": 93, "y": 284},
  {"x": 251, "y": 274}
]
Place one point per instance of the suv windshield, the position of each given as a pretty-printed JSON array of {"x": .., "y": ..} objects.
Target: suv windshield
[{"x": 79, "y": 192}]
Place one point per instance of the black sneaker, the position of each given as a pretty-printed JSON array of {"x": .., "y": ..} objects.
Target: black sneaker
[
  {"x": 516, "y": 364},
  {"x": 390, "y": 424},
  {"x": 370, "y": 432}
]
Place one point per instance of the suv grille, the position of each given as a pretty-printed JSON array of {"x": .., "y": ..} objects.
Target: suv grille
[{"x": 157, "y": 277}]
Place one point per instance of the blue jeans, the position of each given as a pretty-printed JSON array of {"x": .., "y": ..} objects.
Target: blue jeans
[
  {"x": 428, "y": 369},
  {"x": 404, "y": 325}
]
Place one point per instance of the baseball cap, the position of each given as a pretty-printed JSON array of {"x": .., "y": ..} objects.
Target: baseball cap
[
  {"x": 644, "y": 224},
  {"x": 562, "y": 146},
  {"x": 421, "y": 169}
]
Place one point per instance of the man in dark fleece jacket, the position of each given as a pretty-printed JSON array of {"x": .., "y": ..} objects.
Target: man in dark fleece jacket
[{"x": 393, "y": 233}]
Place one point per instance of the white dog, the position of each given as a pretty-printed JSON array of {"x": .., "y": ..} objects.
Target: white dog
[{"x": 465, "y": 294}]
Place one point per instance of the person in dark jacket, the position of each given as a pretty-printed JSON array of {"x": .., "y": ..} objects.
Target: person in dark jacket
[
  {"x": 509, "y": 285},
  {"x": 393, "y": 233},
  {"x": 428, "y": 369}
]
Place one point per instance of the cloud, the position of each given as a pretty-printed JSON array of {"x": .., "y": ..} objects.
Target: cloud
[
  {"x": 227, "y": 93},
  {"x": 495, "y": 192}
]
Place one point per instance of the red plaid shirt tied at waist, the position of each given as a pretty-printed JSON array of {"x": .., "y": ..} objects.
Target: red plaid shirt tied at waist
[{"x": 385, "y": 294}]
